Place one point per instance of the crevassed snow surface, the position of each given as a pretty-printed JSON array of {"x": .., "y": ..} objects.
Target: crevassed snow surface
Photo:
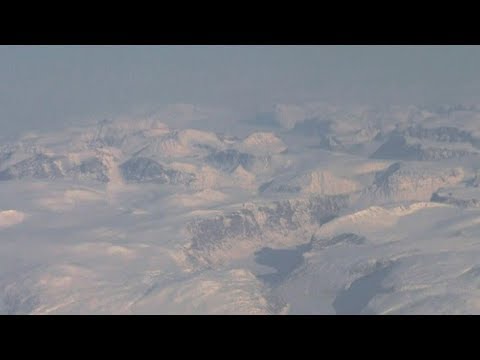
[{"x": 330, "y": 210}]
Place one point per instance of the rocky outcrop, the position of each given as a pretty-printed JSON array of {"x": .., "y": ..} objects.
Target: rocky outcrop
[
  {"x": 144, "y": 170},
  {"x": 39, "y": 166},
  {"x": 256, "y": 223},
  {"x": 406, "y": 182},
  {"x": 398, "y": 147},
  {"x": 91, "y": 169},
  {"x": 229, "y": 160},
  {"x": 316, "y": 182},
  {"x": 452, "y": 200}
]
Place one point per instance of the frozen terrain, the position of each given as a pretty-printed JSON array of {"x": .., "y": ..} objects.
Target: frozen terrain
[{"x": 315, "y": 209}]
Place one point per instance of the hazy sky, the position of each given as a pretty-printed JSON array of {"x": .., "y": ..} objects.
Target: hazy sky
[{"x": 44, "y": 86}]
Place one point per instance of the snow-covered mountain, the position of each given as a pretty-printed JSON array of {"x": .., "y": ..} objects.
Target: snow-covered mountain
[{"x": 313, "y": 209}]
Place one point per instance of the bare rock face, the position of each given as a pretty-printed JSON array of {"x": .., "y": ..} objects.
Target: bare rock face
[
  {"x": 316, "y": 182},
  {"x": 421, "y": 143},
  {"x": 452, "y": 200},
  {"x": 91, "y": 169},
  {"x": 39, "y": 166},
  {"x": 341, "y": 239},
  {"x": 448, "y": 134},
  {"x": 141, "y": 169},
  {"x": 331, "y": 143},
  {"x": 230, "y": 159},
  {"x": 255, "y": 224},
  {"x": 398, "y": 147},
  {"x": 406, "y": 182},
  {"x": 475, "y": 181},
  {"x": 4, "y": 156}
]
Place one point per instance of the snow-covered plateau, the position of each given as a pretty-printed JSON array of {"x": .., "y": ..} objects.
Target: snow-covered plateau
[{"x": 320, "y": 210}]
